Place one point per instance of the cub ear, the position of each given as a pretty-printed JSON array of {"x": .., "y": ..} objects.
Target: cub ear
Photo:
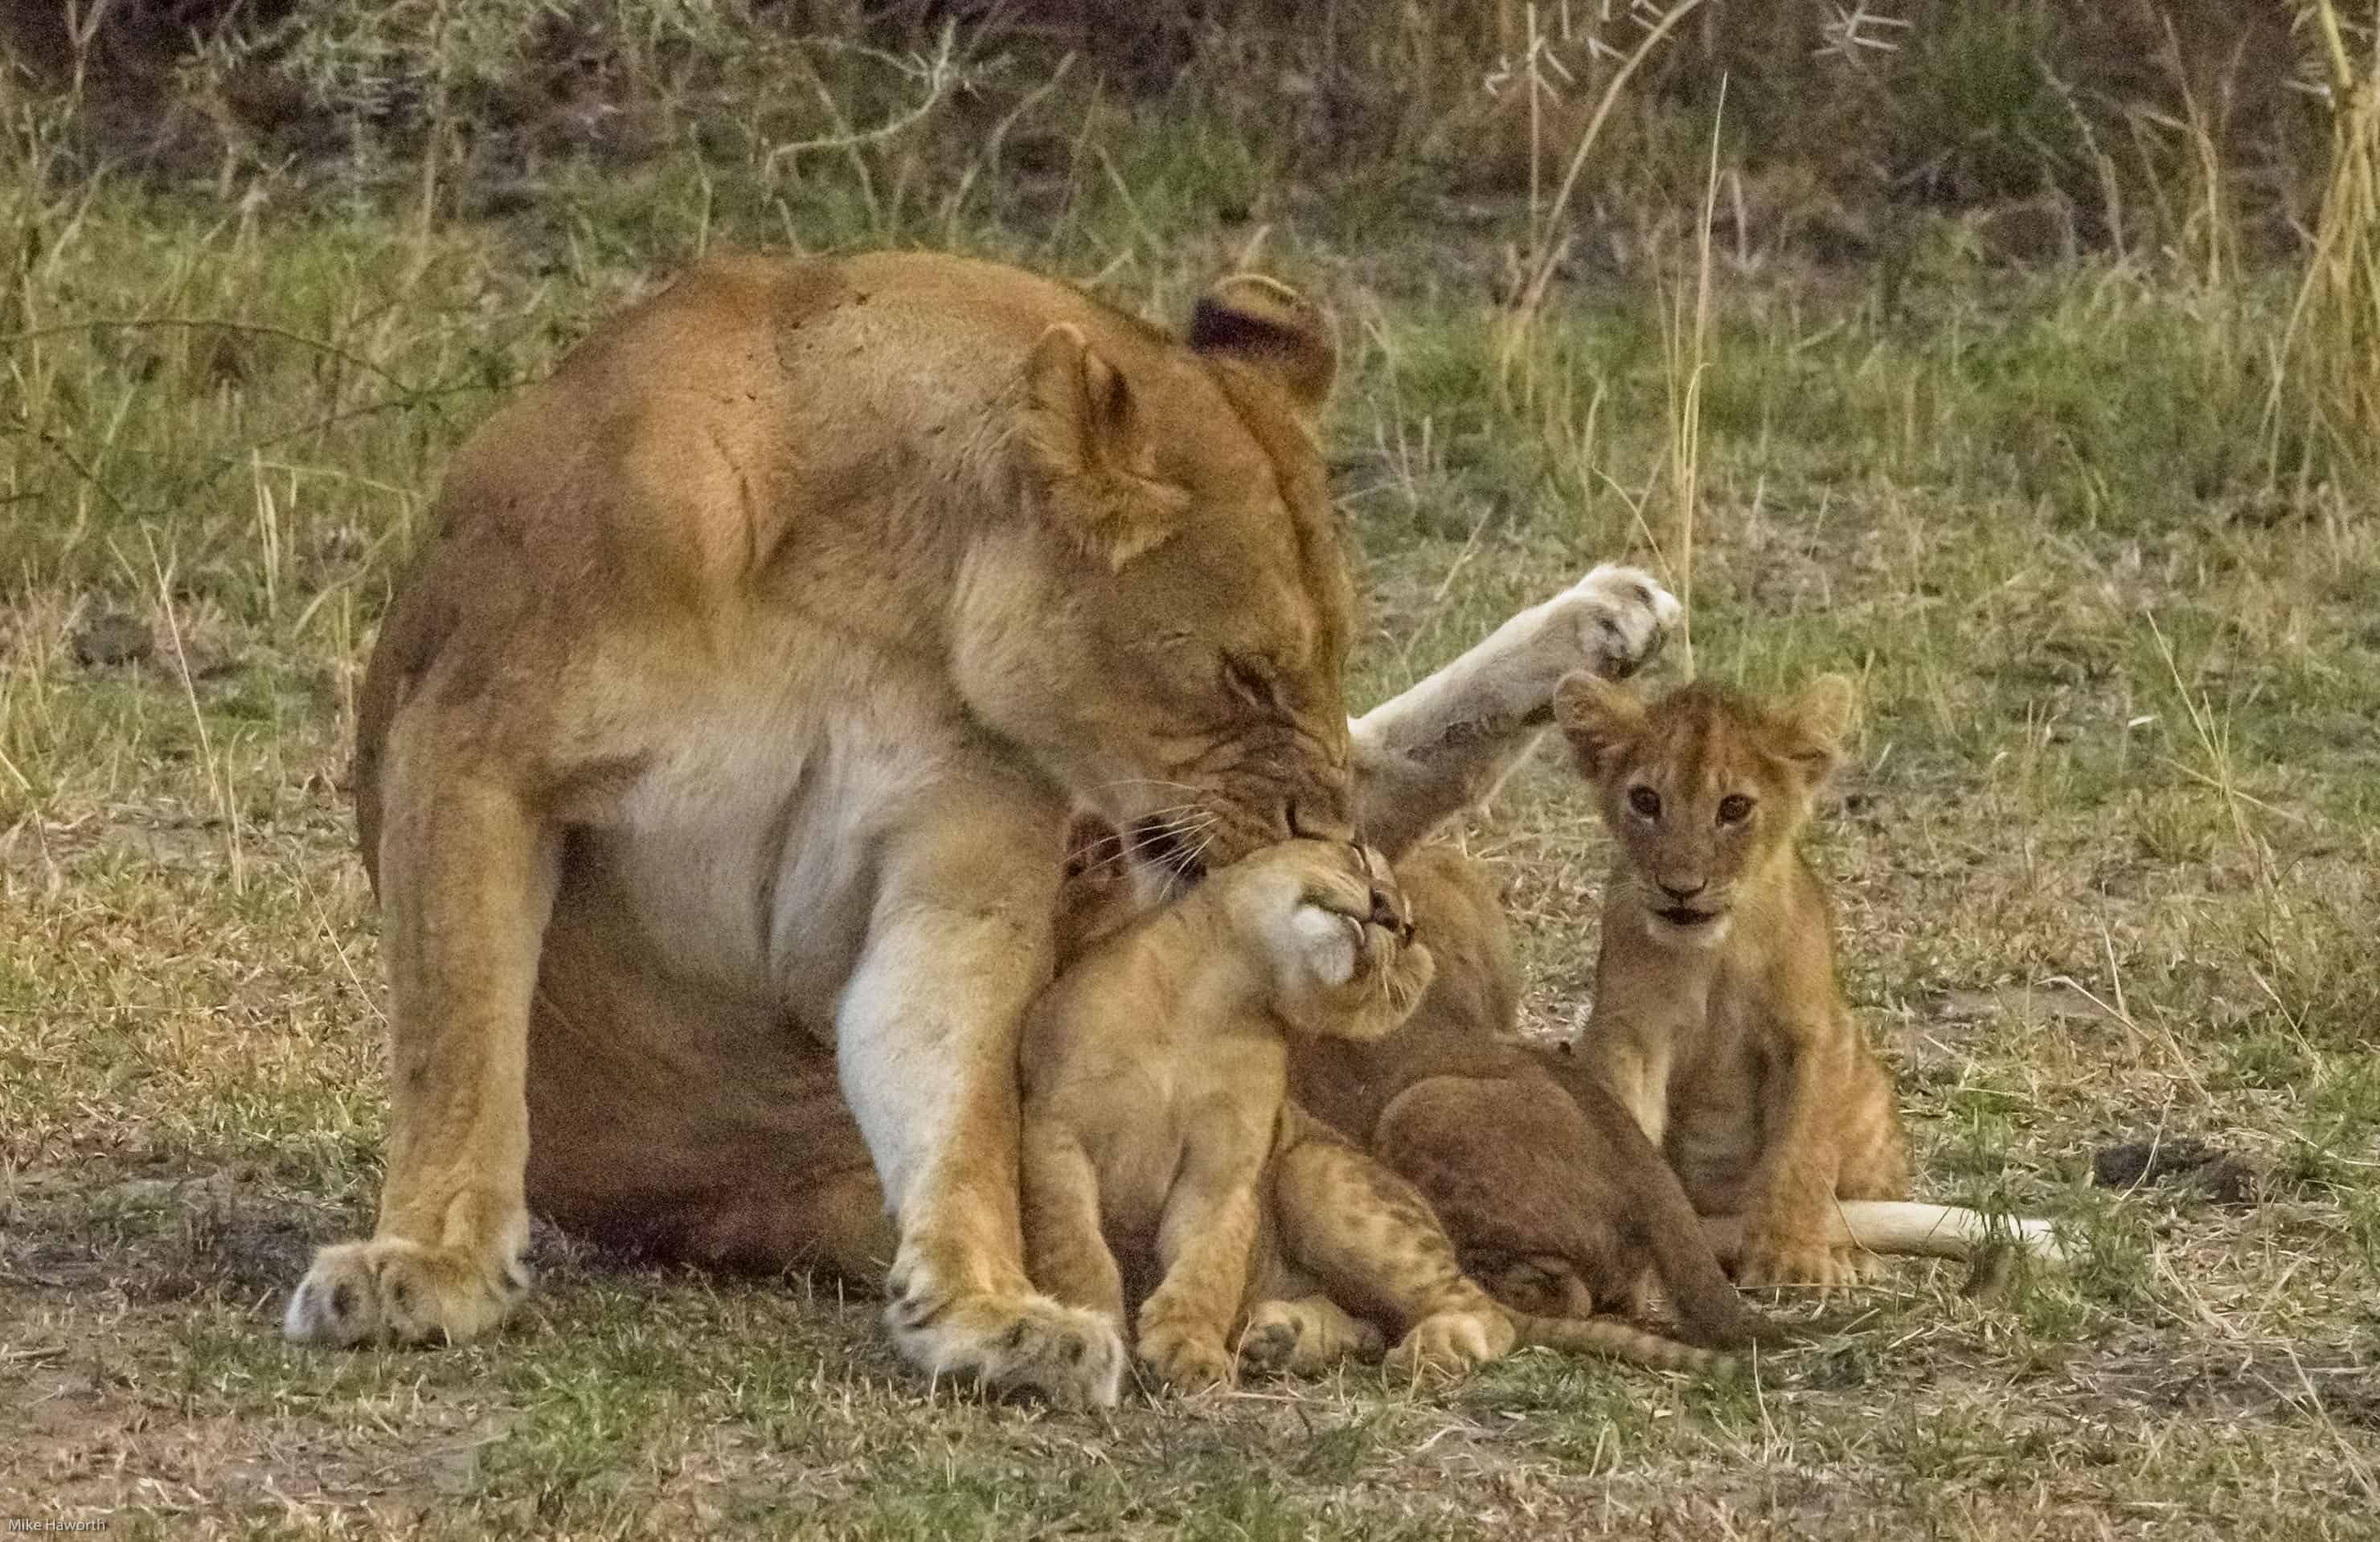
[
  {"x": 1086, "y": 441},
  {"x": 1597, "y": 717},
  {"x": 1816, "y": 723},
  {"x": 1272, "y": 329}
]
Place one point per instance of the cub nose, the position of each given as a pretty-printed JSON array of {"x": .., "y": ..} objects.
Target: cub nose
[{"x": 1681, "y": 892}]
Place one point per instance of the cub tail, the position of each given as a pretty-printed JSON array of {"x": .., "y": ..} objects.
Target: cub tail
[{"x": 1619, "y": 1340}]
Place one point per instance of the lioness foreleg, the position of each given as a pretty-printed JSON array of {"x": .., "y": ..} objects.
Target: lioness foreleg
[
  {"x": 926, "y": 1040},
  {"x": 1425, "y": 755},
  {"x": 468, "y": 875}
]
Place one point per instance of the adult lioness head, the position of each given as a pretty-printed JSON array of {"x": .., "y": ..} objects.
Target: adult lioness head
[{"x": 1167, "y": 629}]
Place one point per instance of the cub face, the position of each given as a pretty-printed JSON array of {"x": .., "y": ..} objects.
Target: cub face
[
  {"x": 1336, "y": 933},
  {"x": 1167, "y": 633},
  {"x": 1702, "y": 791}
]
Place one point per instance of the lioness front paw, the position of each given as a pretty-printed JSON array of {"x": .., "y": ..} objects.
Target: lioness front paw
[
  {"x": 391, "y": 1290},
  {"x": 1447, "y": 1344},
  {"x": 1004, "y": 1343},
  {"x": 1613, "y": 620}
]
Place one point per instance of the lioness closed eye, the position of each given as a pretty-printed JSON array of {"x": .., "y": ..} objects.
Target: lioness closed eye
[{"x": 1717, "y": 1019}]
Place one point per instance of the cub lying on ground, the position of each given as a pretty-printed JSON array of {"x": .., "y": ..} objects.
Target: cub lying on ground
[
  {"x": 1717, "y": 1019},
  {"x": 1555, "y": 1199},
  {"x": 1163, "y": 1165}
]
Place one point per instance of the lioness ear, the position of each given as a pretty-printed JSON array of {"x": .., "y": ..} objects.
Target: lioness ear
[
  {"x": 1087, "y": 442},
  {"x": 1597, "y": 717},
  {"x": 1816, "y": 721},
  {"x": 1273, "y": 329}
]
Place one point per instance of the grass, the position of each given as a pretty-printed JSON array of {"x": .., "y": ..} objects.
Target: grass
[{"x": 2105, "y": 858}]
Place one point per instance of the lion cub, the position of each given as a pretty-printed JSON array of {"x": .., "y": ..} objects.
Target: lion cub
[
  {"x": 1156, "y": 1076},
  {"x": 1163, "y": 1164},
  {"x": 1718, "y": 1021},
  {"x": 1555, "y": 1199}
]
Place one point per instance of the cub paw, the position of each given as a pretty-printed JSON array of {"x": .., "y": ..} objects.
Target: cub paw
[
  {"x": 1004, "y": 1344},
  {"x": 1269, "y": 1346},
  {"x": 1183, "y": 1358},
  {"x": 1449, "y": 1344},
  {"x": 1616, "y": 618},
  {"x": 394, "y": 1291},
  {"x": 1305, "y": 1338},
  {"x": 1783, "y": 1261}
]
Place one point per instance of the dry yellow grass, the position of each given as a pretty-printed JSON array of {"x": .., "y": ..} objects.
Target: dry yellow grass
[{"x": 2106, "y": 859}]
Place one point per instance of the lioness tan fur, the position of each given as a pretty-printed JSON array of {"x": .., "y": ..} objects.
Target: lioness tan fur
[
  {"x": 713, "y": 758},
  {"x": 1718, "y": 1021},
  {"x": 1163, "y": 1166}
]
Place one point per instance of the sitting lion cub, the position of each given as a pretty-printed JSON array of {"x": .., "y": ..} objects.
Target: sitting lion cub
[
  {"x": 1718, "y": 1020},
  {"x": 1162, "y": 1163}
]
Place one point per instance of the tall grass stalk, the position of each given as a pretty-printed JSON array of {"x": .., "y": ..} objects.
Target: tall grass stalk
[
  {"x": 1687, "y": 342},
  {"x": 2326, "y": 381},
  {"x": 1516, "y": 330}
]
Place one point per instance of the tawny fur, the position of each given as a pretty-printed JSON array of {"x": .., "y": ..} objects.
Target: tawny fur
[
  {"x": 714, "y": 754},
  {"x": 1163, "y": 1166},
  {"x": 1718, "y": 1022},
  {"x": 1557, "y": 1201},
  {"x": 712, "y": 759}
]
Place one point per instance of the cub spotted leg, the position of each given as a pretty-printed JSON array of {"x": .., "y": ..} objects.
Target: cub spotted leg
[
  {"x": 467, "y": 872},
  {"x": 1065, "y": 1252},
  {"x": 926, "y": 1039},
  {"x": 1791, "y": 1188},
  {"x": 1207, "y": 1245},
  {"x": 1371, "y": 1238}
]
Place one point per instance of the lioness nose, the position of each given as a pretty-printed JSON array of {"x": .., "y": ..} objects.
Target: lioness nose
[
  {"x": 1384, "y": 911},
  {"x": 1680, "y": 891}
]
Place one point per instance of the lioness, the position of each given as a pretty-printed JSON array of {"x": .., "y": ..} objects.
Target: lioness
[
  {"x": 1717, "y": 1018},
  {"x": 1164, "y": 1168},
  {"x": 712, "y": 761}
]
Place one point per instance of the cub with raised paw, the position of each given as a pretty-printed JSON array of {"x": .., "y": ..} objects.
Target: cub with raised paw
[{"x": 1163, "y": 1165}]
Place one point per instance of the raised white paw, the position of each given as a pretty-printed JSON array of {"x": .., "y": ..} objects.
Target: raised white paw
[
  {"x": 1009, "y": 1342},
  {"x": 1613, "y": 620},
  {"x": 394, "y": 1291}
]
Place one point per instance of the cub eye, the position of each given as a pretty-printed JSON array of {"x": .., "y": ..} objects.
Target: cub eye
[
  {"x": 1734, "y": 808},
  {"x": 1646, "y": 801}
]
